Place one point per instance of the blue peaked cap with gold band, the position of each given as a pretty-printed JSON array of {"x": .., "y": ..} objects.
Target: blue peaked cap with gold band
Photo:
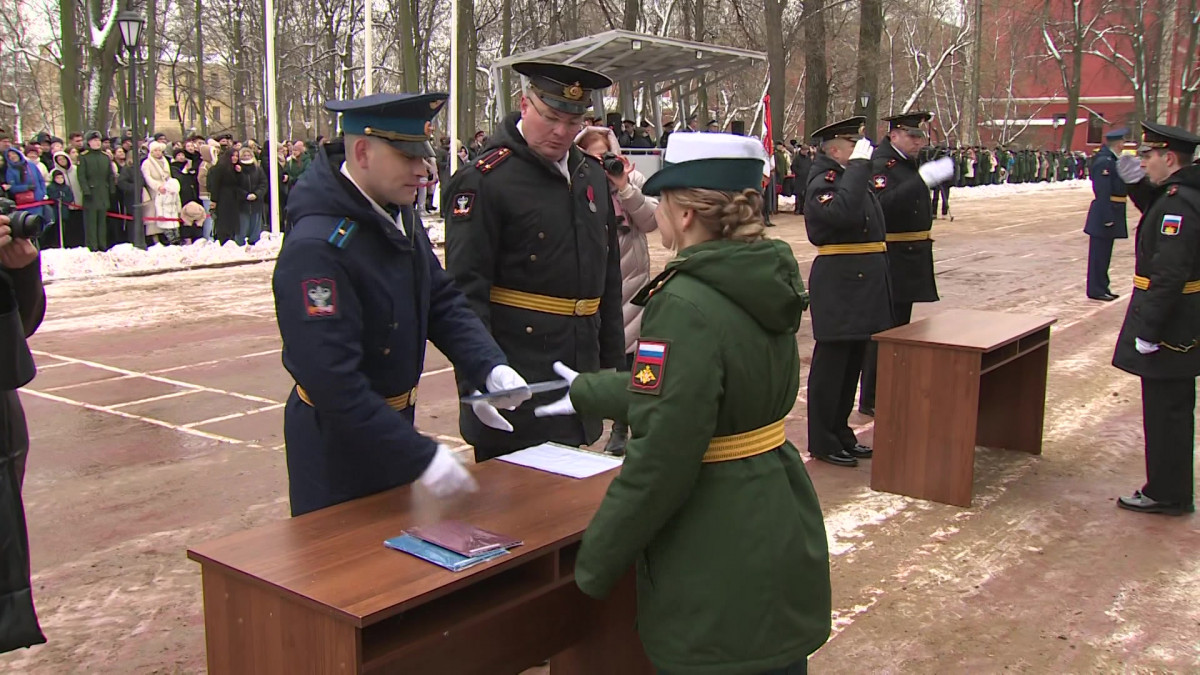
[
  {"x": 725, "y": 162},
  {"x": 404, "y": 120}
]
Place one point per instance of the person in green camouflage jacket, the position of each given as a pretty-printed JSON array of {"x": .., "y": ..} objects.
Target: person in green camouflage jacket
[{"x": 713, "y": 505}]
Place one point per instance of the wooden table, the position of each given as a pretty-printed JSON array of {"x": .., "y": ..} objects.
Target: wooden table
[
  {"x": 950, "y": 382},
  {"x": 321, "y": 594}
]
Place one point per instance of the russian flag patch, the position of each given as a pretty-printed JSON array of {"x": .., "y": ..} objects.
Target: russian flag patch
[
  {"x": 1171, "y": 224},
  {"x": 649, "y": 366}
]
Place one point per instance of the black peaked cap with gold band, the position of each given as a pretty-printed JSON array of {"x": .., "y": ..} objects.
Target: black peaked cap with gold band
[
  {"x": 403, "y": 120},
  {"x": 909, "y": 123},
  {"x": 1163, "y": 137},
  {"x": 565, "y": 88},
  {"x": 850, "y": 129}
]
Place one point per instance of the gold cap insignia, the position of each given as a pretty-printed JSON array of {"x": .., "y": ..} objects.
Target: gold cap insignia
[{"x": 573, "y": 92}]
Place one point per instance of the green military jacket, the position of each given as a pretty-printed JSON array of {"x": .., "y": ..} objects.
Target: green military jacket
[
  {"x": 731, "y": 557},
  {"x": 96, "y": 180}
]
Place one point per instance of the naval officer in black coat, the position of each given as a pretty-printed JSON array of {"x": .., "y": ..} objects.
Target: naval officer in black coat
[
  {"x": 849, "y": 285},
  {"x": 1160, "y": 338},
  {"x": 903, "y": 191},
  {"x": 531, "y": 239}
]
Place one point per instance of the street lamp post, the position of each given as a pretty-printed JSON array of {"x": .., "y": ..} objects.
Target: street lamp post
[{"x": 131, "y": 24}]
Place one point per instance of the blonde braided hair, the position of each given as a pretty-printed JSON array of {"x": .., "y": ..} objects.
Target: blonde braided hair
[{"x": 726, "y": 215}]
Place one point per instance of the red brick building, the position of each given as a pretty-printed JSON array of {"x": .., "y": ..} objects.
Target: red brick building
[{"x": 1023, "y": 96}]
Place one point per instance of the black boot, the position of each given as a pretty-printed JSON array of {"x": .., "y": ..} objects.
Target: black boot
[{"x": 616, "y": 440}]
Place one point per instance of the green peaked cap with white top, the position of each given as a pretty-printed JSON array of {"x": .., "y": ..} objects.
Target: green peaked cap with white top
[{"x": 725, "y": 162}]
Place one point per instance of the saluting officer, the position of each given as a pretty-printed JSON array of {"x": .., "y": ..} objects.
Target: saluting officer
[
  {"x": 903, "y": 191},
  {"x": 358, "y": 291},
  {"x": 1106, "y": 215},
  {"x": 849, "y": 285},
  {"x": 531, "y": 239},
  {"x": 1160, "y": 338}
]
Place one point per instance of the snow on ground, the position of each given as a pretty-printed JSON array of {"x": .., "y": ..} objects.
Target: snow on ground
[
  {"x": 986, "y": 191},
  {"x": 124, "y": 259}
]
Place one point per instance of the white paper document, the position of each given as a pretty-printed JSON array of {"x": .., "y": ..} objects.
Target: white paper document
[{"x": 562, "y": 460}]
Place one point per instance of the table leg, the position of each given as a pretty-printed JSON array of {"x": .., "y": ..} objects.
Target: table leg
[
  {"x": 611, "y": 643},
  {"x": 250, "y": 630},
  {"x": 925, "y": 422},
  {"x": 1012, "y": 403}
]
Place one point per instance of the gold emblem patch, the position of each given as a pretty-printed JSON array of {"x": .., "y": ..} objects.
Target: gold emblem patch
[
  {"x": 645, "y": 376},
  {"x": 573, "y": 92}
]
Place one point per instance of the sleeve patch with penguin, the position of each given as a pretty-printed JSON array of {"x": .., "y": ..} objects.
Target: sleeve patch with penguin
[{"x": 649, "y": 366}]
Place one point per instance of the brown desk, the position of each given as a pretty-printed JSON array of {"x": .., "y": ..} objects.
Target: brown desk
[
  {"x": 321, "y": 594},
  {"x": 948, "y": 383}
]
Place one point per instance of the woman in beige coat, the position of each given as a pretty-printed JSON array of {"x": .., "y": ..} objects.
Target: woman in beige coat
[
  {"x": 635, "y": 218},
  {"x": 156, "y": 171}
]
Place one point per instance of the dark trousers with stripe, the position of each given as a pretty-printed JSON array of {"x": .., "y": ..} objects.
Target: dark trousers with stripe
[
  {"x": 1169, "y": 422},
  {"x": 1099, "y": 257},
  {"x": 866, "y": 395},
  {"x": 832, "y": 379}
]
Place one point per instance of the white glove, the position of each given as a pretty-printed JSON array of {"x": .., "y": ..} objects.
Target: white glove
[
  {"x": 501, "y": 378},
  {"x": 862, "y": 149},
  {"x": 1129, "y": 168},
  {"x": 562, "y": 406},
  {"x": 1144, "y": 347},
  {"x": 937, "y": 172},
  {"x": 446, "y": 476}
]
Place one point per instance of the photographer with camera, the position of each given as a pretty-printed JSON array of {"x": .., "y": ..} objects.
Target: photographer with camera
[
  {"x": 635, "y": 218},
  {"x": 22, "y": 306}
]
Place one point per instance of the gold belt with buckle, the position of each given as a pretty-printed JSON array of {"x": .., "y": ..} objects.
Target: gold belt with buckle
[
  {"x": 1188, "y": 288},
  {"x": 747, "y": 444},
  {"x": 545, "y": 303},
  {"x": 408, "y": 398},
  {"x": 1117, "y": 198},
  {"x": 909, "y": 236},
  {"x": 851, "y": 249}
]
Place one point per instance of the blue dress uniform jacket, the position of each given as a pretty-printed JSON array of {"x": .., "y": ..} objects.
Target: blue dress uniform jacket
[
  {"x": 356, "y": 299},
  {"x": 851, "y": 294},
  {"x": 904, "y": 198},
  {"x": 1109, "y": 203},
  {"x": 1167, "y": 311},
  {"x": 515, "y": 222}
]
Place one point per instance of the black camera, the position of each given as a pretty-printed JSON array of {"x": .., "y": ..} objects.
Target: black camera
[
  {"x": 24, "y": 225},
  {"x": 613, "y": 165}
]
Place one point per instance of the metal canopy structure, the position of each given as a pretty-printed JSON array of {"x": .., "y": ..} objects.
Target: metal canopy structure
[{"x": 639, "y": 61}]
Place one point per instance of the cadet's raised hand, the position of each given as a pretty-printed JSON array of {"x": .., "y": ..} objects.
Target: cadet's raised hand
[
  {"x": 937, "y": 172},
  {"x": 1129, "y": 168},
  {"x": 862, "y": 149}
]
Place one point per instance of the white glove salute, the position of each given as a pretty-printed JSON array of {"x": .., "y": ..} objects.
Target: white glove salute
[
  {"x": 562, "y": 406},
  {"x": 937, "y": 172},
  {"x": 862, "y": 149},
  {"x": 1129, "y": 168},
  {"x": 1144, "y": 347},
  {"x": 446, "y": 476},
  {"x": 501, "y": 378}
]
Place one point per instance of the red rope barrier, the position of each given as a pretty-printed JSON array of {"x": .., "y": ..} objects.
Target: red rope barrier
[{"x": 110, "y": 214}]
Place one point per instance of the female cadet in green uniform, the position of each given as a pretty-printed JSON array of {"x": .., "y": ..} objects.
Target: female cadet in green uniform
[{"x": 713, "y": 504}]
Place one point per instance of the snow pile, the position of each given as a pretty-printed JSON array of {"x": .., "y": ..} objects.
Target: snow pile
[
  {"x": 1006, "y": 189},
  {"x": 125, "y": 260}
]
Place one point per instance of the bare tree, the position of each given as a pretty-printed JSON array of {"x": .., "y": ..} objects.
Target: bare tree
[
  {"x": 1066, "y": 42},
  {"x": 1189, "y": 76}
]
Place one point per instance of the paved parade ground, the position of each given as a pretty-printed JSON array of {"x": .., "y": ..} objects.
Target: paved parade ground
[{"x": 156, "y": 421}]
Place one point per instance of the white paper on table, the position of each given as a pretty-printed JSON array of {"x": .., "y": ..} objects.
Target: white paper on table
[{"x": 562, "y": 460}]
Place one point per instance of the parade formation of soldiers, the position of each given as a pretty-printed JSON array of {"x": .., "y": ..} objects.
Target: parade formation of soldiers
[{"x": 532, "y": 291}]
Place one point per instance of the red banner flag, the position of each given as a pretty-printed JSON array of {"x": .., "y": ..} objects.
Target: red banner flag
[{"x": 767, "y": 125}]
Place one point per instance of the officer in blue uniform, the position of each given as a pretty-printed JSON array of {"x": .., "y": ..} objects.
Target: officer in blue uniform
[
  {"x": 358, "y": 291},
  {"x": 1106, "y": 215}
]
